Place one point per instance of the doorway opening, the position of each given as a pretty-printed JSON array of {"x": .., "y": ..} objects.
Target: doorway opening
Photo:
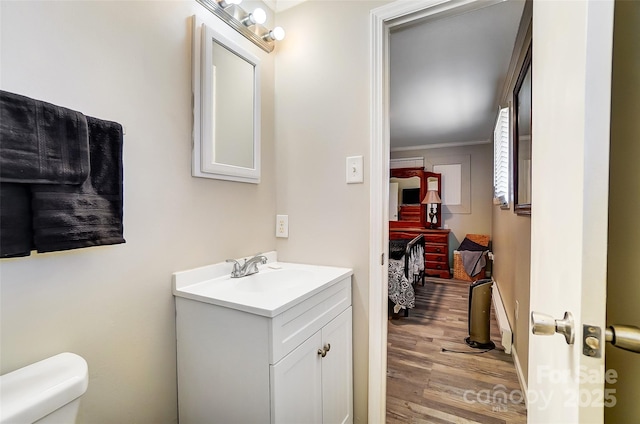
[{"x": 385, "y": 20}]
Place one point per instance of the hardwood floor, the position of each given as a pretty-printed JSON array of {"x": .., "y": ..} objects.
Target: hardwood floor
[{"x": 428, "y": 385}]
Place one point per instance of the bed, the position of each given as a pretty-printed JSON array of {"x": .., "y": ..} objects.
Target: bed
[{"x": 406, "y": 269}]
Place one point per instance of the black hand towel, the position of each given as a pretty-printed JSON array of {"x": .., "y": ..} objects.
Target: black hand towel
[
  {"x": 70, "y": 217},
  {"x": 41, "y": 143},
  {"x": 16, "y": 236}
]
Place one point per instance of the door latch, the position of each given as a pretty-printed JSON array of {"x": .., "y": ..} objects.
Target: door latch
[
  {"x": 591, "y": 341},
  {"x": 625, "y": 337}
]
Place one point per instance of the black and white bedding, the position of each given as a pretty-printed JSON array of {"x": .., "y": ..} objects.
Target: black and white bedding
[
  {"x": 401, "y": 292},
  {"x": 406, "y": 267}
]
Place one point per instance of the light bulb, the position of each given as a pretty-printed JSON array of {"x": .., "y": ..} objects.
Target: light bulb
[
  {"x": 277, "y": 34},
  {"x": 259, "y": 16}
]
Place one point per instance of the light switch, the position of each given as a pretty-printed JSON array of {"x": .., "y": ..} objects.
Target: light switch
[{"x": 354, "y": 170}]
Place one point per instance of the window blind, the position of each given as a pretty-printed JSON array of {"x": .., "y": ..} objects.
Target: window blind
[{"x": 501, "y": 158}]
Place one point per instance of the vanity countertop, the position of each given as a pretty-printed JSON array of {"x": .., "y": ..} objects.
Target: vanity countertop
[{"x": 277, "y": 287}]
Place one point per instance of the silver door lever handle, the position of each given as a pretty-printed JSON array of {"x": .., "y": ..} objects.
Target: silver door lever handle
[
  {"x": 546, "y": 325},
  {"x": 625, "y": 337}
]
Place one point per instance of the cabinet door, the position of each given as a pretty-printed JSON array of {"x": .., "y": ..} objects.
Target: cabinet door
[
  {"x": 337, "y": 368},
  {"x": 296, "y": 385}
]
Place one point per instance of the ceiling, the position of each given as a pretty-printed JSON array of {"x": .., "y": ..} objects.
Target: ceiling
[
  {"x": 446, "y": 76},
  {"x": 280, "y": 5}
]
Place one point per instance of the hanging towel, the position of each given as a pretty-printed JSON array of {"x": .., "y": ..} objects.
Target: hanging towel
[
  {"x": 16, "y": 236},
  {"x": 70, "y": 217},
  {"x": 41, "y": 143}
]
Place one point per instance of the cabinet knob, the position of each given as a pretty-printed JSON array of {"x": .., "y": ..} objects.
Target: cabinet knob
[
  {"x": 323, "y": 352},
  {"x": 438, "y": 250}
]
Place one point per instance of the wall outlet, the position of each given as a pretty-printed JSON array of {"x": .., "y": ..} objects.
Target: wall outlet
[
  {"x": 282, "y": 226},
  {"x": 517, "y": 309}
]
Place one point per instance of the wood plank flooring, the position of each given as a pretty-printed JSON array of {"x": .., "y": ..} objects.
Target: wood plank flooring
[{"x": 427, "y": 385}]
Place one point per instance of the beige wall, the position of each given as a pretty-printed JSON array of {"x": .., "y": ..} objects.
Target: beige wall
[
  {"x": 512, "y": 251},
  {"x": 322, "y": 116},
  {"x": 623, "y": 289},
  {"x": 129, "y": 62},
  {"x": 480, "y": 184},
  {"x": 511, "y": 235}
]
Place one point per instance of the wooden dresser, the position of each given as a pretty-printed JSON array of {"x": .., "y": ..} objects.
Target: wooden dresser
[{"x": 436, "y": 248}]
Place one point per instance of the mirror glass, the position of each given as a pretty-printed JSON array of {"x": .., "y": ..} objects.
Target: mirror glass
[
  {"x": 432, "y": 184},
  {"x": 407, "y": 189},
  {"x": 522, "y": 139},
  {"x": 408, "y": 198},
  {"x": 226, "y": 88},
  {"x": 232, "y": 85}
]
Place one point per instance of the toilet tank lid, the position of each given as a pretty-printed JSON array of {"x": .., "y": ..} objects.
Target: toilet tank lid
[{"x": 30, "y": 393}]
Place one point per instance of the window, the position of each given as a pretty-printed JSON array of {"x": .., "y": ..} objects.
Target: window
[{"x": 501, "y": 159}]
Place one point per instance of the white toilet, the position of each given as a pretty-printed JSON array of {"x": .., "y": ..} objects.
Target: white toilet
[{"x": 46, "y": 392}]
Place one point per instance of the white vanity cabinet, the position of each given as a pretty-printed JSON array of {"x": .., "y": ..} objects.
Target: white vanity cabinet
[
  {"x": 255, "y": 366},
  {"x": 311, "y": 388}
]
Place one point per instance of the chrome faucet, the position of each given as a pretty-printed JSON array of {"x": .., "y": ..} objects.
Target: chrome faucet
[{"x": 249, "y": 266}]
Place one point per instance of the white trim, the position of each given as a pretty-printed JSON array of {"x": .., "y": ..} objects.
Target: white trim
[
  {"x": 378, "y": 217},
  {"x": 381, "y": 20},
  {"x": 501, "y": 317},
  {"x": 440, "y": 145},
  {"x": 520, "y": 374}
]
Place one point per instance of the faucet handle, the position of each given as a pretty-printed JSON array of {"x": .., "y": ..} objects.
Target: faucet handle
[{"x": 235, "y": 272}]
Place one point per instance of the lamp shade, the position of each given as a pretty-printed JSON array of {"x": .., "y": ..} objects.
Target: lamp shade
[{"x": 431, "y": 197}]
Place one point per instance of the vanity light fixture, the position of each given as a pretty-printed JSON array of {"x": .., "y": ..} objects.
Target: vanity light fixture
[
  {"x": 247, "y": 24},
  {"x": 227, "y": 3}
]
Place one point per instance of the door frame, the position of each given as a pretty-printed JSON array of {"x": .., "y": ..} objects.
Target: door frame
[{"x": 382, "y": 20}]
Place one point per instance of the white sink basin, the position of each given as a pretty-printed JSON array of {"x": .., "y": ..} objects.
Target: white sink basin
[
  {"x": 275, "y": 288},
  {"x": 270, "y": 280}
]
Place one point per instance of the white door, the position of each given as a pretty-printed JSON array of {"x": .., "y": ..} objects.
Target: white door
[
  {"x": 572, "y": 46},
  {"x": 337, "y": 366}
]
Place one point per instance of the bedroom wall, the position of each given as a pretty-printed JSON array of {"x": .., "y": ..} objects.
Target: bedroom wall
[
  {"x": 512, "y": 235},
  {"x": 129, "y": 62},
  {"x": 478, "y": 220},
  {"x": 511, "y": 266},
  {"x": 322, "y": 116}
]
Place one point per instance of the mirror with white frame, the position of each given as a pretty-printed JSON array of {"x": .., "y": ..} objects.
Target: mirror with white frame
[{"x": 226, "y": 89}]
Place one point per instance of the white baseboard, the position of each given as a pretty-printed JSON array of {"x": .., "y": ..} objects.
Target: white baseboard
[
  {"x": 501, "y": 317},
  {"x": 520, "y": 374}
]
